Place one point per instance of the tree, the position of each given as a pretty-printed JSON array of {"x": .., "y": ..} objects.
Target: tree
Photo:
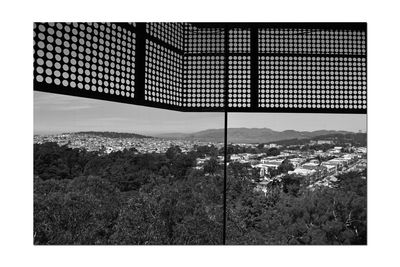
[
  {"x": 184, "y": 212},
  {"x": 59, "y": 162},
  {"x": 138, "y": 223},
  {"x": 273, "y": 151},
  {"x": 291, "y": 184},
  {"x": 352, "y": 182},
  {"x": 173, "y": 151},
  {"x": 181, "y": 164},
  {"x": 207, "y": 150},
  {"x": 130, "y": 198},
  {"x": 79, "y": 211},
  {"x": 299, "y": 216},
  {"x": 211, "y": 165},
  {"x": 273, "y": 172},
  {"x": 285, "y": 166},
  {"x": 164, "y": 171}
]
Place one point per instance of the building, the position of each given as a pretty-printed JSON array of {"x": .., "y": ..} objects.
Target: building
[
  {"x": 201, "y": 161},
  {"x": 321, "y": 142},
  {"x": 296, "y": 162},
  {"x": 266, "y": 167},
  {"x": 333, "y": 162},
  {"x": 362, "y": 150},
  {"x": 337, "y": 149},
  {"x": 314, "y": 162},
  {"x": 272, "y": 161},
  {"x": 235, "y": 157},
  {"x": 302, "y": 172},
  {"x": 330, "y": 169}
]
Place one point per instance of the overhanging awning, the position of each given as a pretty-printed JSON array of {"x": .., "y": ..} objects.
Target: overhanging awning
[{"x": 200, "y": 67}]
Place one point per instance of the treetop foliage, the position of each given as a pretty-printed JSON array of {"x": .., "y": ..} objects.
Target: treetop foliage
[{"x": 130, "y": 198}]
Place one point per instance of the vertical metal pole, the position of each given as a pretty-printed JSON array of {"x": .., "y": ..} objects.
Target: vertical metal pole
[
  {"x": 140, "y": 64},
  {"x": 226, "y": 80},
  {"x": 254, "y": 67},
  {"x": 225, "y": 171}
]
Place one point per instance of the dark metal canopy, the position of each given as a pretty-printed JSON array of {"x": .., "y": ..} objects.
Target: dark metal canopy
[{"x": 233, "y": 67}]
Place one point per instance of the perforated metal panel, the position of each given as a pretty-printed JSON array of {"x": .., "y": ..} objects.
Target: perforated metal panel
[
  {"x": 239, "y": 40},
  {"x": 204, "y": 81},
  {"x": 170, "y": 33},
  {"x": 98, "y": 58},
  {"x": 163, "y": 75},
  {"x": 204, "y": 69},
  {"x": 259, "y": 67},
  {"x": 239, "y": 81},
  {"x": 204, "y": 40},
  {"x": 312, "y": 41},
  {"x": 312, "y": 69},
  {"x": 312, "y": 82}
]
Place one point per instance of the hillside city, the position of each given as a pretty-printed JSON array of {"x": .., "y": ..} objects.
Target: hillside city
[{"x": 319, "y": 161}]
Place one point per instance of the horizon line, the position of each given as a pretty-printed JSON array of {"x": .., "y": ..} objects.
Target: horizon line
[{"x": 41, "y": 132}]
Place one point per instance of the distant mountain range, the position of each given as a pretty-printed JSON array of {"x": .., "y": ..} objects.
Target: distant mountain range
[
  {"x": 249, "y": 135},
  {"x": 114, "y": 134}
]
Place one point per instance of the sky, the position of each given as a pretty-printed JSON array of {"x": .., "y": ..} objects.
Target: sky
[{"x": 55, "y": 113}]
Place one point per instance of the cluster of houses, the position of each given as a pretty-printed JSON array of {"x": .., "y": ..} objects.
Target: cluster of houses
[
  {"x": 201, "y": 161},
  {"x": 107, "y": 145},
  {"x": 305, "y": 164},
  {"x": 316, "y": 169}
]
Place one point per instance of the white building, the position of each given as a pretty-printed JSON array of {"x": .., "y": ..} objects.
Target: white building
[
  {"x": 321, "y": 142},
  {"x": 302, "y": 172}
]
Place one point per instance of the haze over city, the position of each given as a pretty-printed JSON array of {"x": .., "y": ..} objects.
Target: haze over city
[{"x": 59, "y": 113}]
